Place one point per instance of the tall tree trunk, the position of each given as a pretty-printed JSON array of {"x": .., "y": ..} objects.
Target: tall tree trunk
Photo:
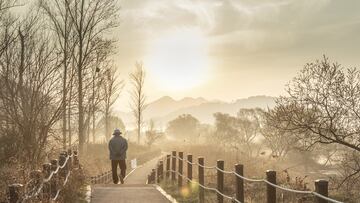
[
  {"x": 93, "y": 126},
  {"x": 69, "y": 116},
  {"x": 107, "y": 133},
  {"x": 88, "y": 126},
  {"x": 138, "y": 140},
  {"x": 81, "y": 112},
  {"x": 64, "y": 99},
  {"x": 139, "y": 126},
  {"x": 80, "y": 82},
  {"x": 80, "y": 102},
  {"x": 27, "y": 136},
  {"x": 93, "y": 108}
]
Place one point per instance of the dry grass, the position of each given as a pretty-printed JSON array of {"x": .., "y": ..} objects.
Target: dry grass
[
  {"x": 254, "y": 167},
  {"x": 75, "y": 189}
]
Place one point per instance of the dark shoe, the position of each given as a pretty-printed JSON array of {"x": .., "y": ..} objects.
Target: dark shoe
[{"x": 121, "y": 180}]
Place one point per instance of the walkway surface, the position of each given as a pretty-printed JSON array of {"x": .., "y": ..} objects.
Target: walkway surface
[{"x": 133, "y": 191}]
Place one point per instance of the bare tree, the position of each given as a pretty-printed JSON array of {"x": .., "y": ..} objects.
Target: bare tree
[
  {"x": 249, "y": 122},
  {"x": 111, "y": 87},
  {"x": 184, "y": 127},
  {"x": 6, "y": 5},
  {"x": 29, "y": 92},
  {"x": 7, "y": 25},
  {"x": 62, "y": 25},
  {"x": 138, "y": 98},
  {"x": 279, "y": 141},
  {"x": 323, "y": 107},
  {"x": 91, "y": 19},
  {"x": 113, "y": 122},
  {"x": 152, "y": 135},
  {"x": 239, "y": 132}
]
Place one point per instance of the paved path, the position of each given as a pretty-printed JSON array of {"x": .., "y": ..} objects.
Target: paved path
[
  {"x": 133, "y": 191},
  {"x": 139, "y": 176}
]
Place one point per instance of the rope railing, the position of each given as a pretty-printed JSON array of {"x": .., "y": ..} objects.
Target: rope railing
[
  {"x": 321, "y": 186},
  {"x": 207, "y": 188},
  {"x": 44, "y": 182},
  {"x": 101, "y": 178},
  {"x": 106, "y": 176}
]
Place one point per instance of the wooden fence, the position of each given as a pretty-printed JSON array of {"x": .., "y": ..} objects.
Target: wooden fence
[
  {"x": 45, "y": 185},
  {"x": 174, "y": 165}
]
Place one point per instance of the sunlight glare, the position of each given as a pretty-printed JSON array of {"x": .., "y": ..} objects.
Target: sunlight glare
[{"x": 178, "y": 60}]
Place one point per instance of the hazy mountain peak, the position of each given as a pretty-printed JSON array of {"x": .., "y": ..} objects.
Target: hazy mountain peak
[
  {"x": 191, "y": 99},
  {"x": 257, "y": 101},
  {"x": 166, "y": 108},
  {"x": 167, "y": 104},
  {"x": 165, "y": 99}
]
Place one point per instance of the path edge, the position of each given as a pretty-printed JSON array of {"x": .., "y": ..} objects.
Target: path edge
[{"x": 165, "y": 194}]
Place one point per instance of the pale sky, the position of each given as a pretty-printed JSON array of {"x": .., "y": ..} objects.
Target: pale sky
[{"x": 230, "y": 49}]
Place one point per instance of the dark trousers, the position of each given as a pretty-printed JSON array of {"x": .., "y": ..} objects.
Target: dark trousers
[{"x": 114, "y": 165}]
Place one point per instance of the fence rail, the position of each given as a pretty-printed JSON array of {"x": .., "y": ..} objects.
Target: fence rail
[
  {"x": 157, "y": 175},
  {"x": 106, "y": 177},
  {"x": 44, "y": 185}
]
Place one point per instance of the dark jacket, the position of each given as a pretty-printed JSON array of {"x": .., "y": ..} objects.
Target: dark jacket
[{"x": 117, "y": 148}]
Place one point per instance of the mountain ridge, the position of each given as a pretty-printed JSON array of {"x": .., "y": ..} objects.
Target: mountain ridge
[{"x": 167, "y": 108}]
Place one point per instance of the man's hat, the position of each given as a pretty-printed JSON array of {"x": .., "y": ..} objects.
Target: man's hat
[{"x": 117, "y": 132}]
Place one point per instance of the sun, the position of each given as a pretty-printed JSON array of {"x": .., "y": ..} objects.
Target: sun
[{"x": 178, "y": 60}]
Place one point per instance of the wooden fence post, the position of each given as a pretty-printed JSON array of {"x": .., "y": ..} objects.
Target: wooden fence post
[
  {"x": 201, "y": 179},
  {"x": 271, "y": 190},
  {"x": 76, "y": 159},
  {"x": 99, "y": 179},
  {"x": 110, "y": 176},
  {"x": 180, "y": 179},
  {"x": 168, "y": 166},
  {"x": 220, "y": 180},
  {"x": 189, "y": 169},
  {"x": 321, "y": 187},
  {"x": 36, "y": 176},
  {"x": 173, "y": 166},
  {"x": 161, "y": 170},
  {"x": 239, "y": 169},
  {"x": 63, "y": 171},
  {"x": 14, "y": 191},
  {"x": 53, "y": 182},
  {"x": 153, "y": 174},
  {"x": 70, "y": 161},
  {"x": 149, "y": 179},
  {"x": 158, "y": 173},
  {"x": 46, "y": 189},
  {"x": 109, "y": 173}
]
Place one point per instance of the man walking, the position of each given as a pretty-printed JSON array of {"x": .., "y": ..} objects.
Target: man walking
[{"x": 117, "y": 148}]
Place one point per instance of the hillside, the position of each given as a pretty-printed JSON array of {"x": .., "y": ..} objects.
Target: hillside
[{"x": 166, "y": 108}]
